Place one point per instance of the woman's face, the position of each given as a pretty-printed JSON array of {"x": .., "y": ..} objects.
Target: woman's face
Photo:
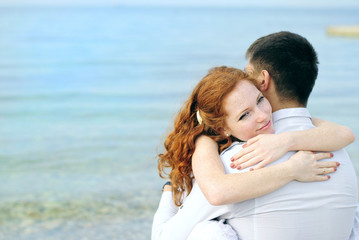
[{"x": 248, "y": 113}]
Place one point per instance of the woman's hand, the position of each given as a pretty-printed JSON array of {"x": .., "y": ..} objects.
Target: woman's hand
[
  {"x": 167, "y": 187},
  {"x": 306, "y": 167},
  {"x": 261, "y": 150}
]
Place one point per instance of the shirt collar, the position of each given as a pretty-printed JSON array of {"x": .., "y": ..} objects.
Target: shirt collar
[{"x": 290, "y": 112}]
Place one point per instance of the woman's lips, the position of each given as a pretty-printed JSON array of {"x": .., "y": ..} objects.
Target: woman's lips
[{"x": 265, "y": 127}]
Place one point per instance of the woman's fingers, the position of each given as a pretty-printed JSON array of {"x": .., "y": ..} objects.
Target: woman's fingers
[
  {"x": 320, "y": 178},
  {"x": 327, "y": 164},
  {"x": 238, "y": 155},
  {"x": 323, "y": 171},
  {"x": 247, "y": 160},
  {"x": 241, "y": 153},
  {"x": 252, "y": 140},
  {"x": 259, "y": 165},
  {"x": 248, "y": 155},
  {"x": 325, "y": 167},
  {"x": 309, "y": 166},
  {"x": 323, "y": 155},
  {"x": 249, "y": 163}
]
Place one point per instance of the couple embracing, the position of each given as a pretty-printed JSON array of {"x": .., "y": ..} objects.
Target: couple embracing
[{"x": 232, "y": 178}]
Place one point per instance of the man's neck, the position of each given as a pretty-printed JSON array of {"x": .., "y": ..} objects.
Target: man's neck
[{"x": 278, "y": 105}]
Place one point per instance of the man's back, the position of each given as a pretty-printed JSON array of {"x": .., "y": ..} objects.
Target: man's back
[{"x": 317, "y": 210}]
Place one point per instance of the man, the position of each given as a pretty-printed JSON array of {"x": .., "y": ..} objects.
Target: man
[{"x": 285, "y": 67}]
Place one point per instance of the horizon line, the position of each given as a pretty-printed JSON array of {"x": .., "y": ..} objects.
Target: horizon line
[{"x": 59, "y": 4}]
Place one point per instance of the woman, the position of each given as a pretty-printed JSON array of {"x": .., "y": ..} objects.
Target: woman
[{"x": 207, "y": 117}]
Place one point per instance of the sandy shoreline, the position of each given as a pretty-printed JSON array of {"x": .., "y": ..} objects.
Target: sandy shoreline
[{"x": 344, "y": 31}]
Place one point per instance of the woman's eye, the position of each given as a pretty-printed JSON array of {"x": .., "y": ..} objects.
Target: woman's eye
[
  {"x": 243, "y": 116},
  {"x": 260, "y": 99}
]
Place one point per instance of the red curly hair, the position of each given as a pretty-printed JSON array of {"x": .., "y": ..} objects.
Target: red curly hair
[{"x": 207, "y": 98}]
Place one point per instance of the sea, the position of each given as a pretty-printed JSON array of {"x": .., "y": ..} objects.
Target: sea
[{"x": 88, "y": 94}]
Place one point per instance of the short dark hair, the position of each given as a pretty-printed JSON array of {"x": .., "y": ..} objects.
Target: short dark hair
[{"x": 291, "y": 62}]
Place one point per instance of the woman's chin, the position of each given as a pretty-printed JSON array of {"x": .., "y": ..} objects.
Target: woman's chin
[{"x": 268, "y": 131}]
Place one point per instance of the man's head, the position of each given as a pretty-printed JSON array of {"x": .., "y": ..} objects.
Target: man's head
[{"x": 289, "y": 60}]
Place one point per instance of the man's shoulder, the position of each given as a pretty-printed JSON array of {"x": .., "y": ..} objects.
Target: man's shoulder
[{"x": 234, "y": 148}]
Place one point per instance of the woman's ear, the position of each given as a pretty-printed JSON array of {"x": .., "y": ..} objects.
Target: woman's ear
[
  {"x": 264, "y": 81},
  {"x": 223, "y": 131},
  {"x": 227, "y": 133}
]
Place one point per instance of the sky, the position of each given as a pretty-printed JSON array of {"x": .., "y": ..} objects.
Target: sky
[{"x": 264, "y": 3}]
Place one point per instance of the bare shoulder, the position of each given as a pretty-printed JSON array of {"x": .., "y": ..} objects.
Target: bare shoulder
[
  {"x": 206, "y": 158},
  {"x": 205, "y": 147},
  {"x": 205, "y": 141}
]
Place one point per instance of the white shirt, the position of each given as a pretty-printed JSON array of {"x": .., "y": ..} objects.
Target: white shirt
[
  {"x": 169, "y": 225},
  {"x": 297, "y": 211}
]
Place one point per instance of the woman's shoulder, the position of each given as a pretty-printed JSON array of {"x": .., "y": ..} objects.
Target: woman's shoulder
[{"x": 203, "y": 141}]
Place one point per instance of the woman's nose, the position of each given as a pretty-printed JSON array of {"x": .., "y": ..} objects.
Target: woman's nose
[{"x": 261, "y": 115}]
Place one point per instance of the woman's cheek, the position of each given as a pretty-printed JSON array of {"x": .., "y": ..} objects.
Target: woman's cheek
[
  {"x": 250, "y": 131},
  {"x": 269, "y": 107}
]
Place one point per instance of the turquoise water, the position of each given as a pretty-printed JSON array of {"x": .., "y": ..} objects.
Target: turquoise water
[{"x": 88, "y": 94}]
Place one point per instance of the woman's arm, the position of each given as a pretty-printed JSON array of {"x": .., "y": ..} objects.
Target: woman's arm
[
  {"x": 266, "y": 148},
  {"x": 220, "y": 188},
  {"x": 326, "y": 136},
  {"x": 194, "y": 210},
  {"x": 166, "y": 210}
]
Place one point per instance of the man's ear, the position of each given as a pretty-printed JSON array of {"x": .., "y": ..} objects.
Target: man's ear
[{"x": 264, "y": 81}]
